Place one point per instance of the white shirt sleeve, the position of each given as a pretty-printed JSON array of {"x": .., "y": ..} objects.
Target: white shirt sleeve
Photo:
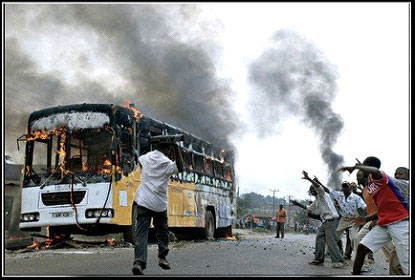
[
  {"x": 312, "y": 207},
  {"x": 360, "y": 203},
  {"x": 172, "y": 168},
  {"x": 334, "y": 195}
]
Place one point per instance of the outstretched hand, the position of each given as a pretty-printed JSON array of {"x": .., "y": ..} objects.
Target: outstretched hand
[
  {"x": 358, "y": 221},
  {"x": 305, "y": 175},
  {"x": 350, "y": 169}
]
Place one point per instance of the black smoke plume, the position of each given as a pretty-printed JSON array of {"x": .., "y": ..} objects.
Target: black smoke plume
[
  {"x": 293, "y": 77},
  {"x": 173, "y": 77}
]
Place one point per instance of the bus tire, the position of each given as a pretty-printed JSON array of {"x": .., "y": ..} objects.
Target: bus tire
[
  {"x": 129, "y": 233},
  {"x": 209, "y": 231}
]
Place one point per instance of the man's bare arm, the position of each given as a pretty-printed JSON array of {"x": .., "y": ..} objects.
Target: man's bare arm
[
  {"x": 306, "y": 177},
  {"x": 376, "y": 174},
  {"x": 294, "y": 202},
  {"x": 179, "y": 158},
  {"x": 318, "y": 182}
]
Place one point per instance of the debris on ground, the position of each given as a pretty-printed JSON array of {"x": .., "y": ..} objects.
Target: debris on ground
[{"x": 57, "y": 242}]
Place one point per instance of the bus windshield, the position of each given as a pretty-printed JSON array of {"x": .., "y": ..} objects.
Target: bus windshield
[{"x": 85, "y": 153}]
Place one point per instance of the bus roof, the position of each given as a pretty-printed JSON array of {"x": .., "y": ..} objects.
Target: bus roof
[{"x": 109, "y": 109}]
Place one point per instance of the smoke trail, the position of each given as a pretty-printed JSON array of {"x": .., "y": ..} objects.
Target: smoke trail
[
  {"x": 293, "y": 77},
  {"x": 168, "y": 76}
]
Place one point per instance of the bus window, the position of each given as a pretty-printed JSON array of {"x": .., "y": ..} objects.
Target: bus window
[
  {"x": 198, "y": 160},
  {"x": 208, "y": 166},
  {"x": 187, "y": 160},
  {"x": 218, "y": 166},
  {"x": 228, "y": 172}
]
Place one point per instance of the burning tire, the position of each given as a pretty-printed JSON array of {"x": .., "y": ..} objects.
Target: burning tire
[
  {"x": 129, "y": 232},
  {"x": 209, "y": 231}
]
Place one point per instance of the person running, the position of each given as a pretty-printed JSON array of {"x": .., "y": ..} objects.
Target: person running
[{"x": 151, "y": 200}]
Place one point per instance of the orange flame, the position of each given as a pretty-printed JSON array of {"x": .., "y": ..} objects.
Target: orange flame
[
  {"x": 44, "y": 134},
  {"x": 84, "y": 166},
  {"x": 62, "y": 152},
  {"x": 106, "y": 168},
  {"x": 35, "y": 245},
  {"x": 111, "y": 241},
  {"x": 41, "y": 134},
  {"x": 128, "y": 104}
]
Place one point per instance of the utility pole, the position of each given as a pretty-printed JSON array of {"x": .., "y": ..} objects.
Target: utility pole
[
  {"x": 289, "y": 198},
  {"x": 273, "y": 200}
]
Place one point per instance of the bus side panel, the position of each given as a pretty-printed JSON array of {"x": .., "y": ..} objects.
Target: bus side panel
[
  {"x": 219, "y": 199},
  {"x": 181, "y": 204},
  {"x": 123, "y": 197}
]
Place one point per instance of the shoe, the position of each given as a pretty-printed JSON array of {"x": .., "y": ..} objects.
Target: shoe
[
  {"x": 314, "y": 262},
  {"x": 137, "y": 270},
  {"x": 164, "y": 264},
  {"x": 339, "y": 265},
  {"x": 277, "y": 236}
]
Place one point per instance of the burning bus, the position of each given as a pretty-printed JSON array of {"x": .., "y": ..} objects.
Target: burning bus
[{"x": 81, "y": 172}]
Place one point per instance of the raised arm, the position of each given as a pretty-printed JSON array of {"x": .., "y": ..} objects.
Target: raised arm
[
  {"x": 318, "y": 182},
  {"x": 179, "y": 158},
  {"x": 376, "y": 173},
  {"x": 294, "y": 202},
  {"x": 306, "y": 177}
]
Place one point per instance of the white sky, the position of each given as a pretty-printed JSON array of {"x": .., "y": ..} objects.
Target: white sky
[{"x": 369, "y": 44}]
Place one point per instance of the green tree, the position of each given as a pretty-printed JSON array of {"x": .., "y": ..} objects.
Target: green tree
[{"x": 243, "y": 206}]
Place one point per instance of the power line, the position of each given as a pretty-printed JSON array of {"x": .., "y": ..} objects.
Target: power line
[{"x": 273, "y": 199}]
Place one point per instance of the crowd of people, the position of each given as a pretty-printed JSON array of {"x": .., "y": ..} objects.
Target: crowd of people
[{"x": 374, "y": 211}]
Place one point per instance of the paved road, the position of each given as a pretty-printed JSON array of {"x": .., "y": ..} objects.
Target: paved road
[{"x": 253, "y": 254}]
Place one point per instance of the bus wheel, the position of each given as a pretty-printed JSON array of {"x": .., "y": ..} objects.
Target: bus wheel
[
  {"x": 129, "y": 232},
  {"x": 209, "y": 231}
]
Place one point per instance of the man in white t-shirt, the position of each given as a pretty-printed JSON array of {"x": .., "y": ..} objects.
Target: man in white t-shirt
[{"x": 151, "y": 199}]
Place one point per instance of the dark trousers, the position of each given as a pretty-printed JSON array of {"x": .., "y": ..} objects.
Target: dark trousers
[
  {"x": 144, "y": 216},
  {"x": 348, "y": 249},
  {"x": 280, "y": 227},
  {"x": 327, "y": 235}
]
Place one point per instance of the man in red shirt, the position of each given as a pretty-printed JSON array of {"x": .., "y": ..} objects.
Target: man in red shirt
[{"x": 392, "y": 215}]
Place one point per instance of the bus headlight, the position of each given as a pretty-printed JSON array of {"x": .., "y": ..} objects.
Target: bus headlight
[
  {"x": 30, "y": 217},
  {"x": 95, "y": 213}
]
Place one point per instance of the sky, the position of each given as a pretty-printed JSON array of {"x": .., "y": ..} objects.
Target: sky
[{"x": 289, "y": 86}]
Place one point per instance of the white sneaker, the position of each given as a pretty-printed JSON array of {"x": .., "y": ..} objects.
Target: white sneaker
[{"x": 339, "y": 265}]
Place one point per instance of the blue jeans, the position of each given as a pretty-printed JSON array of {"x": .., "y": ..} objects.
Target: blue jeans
[
  {"x": 327, "y": 235},
  {"x": 144, "y": 216}
]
